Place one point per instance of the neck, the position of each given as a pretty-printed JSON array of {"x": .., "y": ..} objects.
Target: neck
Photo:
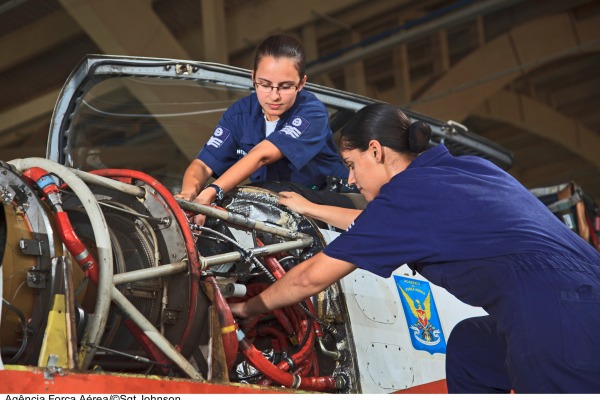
[{"x": 397, "y": 165}]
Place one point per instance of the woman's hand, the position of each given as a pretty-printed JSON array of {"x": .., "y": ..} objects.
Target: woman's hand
[
  {"x": 239, "y": 312},
  {"x": 237, "y": 309},
  {"x": 295, "y": 202},
  {"x": 205, "y": 198},
  {"x": 187, "y": 196}
]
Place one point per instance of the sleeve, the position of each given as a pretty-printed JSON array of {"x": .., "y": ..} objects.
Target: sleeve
[
  {"x": 303, "y": 135},
  {"x": 219, "y": 152},
  {"x": 386, "y": 235}
]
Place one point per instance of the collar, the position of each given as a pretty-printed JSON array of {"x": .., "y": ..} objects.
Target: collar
[{"x": 429, "y": 156}]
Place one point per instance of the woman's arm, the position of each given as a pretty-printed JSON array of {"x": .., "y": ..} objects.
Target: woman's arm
[
  {"x": 194, "y": 179},
  {"x": 337, "y": 216},
  {"x": 263, "y": 153},
  {"x": 304, "y": 280}
]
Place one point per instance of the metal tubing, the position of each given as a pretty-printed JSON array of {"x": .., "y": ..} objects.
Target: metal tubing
[
  {"x": 149, "y": 273},
  {"x": 257, "y": 251},
  {"x": 109, "y": 183},
  {"x": 154, "y": 335},
  {"x": 238, "y": 219}
]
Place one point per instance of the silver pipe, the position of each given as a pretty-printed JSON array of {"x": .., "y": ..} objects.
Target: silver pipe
[
  {"x": 154, "y": 335},
  {"x": 224, "y": 258},
  {"x": 149, "y": 273},
  {"x": 333, "y": 354},
  {"x": 109, "y": 183},
  {"x": 239, "y": 219}
]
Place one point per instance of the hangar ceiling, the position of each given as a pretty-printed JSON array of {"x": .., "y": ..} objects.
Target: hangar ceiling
[{"x": 524, "y": 74}]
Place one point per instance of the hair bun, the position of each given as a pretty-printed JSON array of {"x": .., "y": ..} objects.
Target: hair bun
[{"x": 419, "y": 134}]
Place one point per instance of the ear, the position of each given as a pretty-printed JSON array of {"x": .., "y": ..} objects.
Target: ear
[
  {"x": 376, "y": 150},
  {"x": 302, "y": 83},
  {"x": 252, "y": 75}
]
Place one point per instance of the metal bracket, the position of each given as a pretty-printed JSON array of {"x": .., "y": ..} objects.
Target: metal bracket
[
  {"x": 31, "y": 247},
  {"x": 36, "y": 278},
  {"x": 51, "y": 368}
]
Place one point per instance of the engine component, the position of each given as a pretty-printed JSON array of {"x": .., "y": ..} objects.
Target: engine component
[{"x": 145, "y": 290}]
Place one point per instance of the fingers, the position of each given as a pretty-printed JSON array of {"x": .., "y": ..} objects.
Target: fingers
[
  {"x": 183, "y": 196},
  {"x": 199, "y": 219},
  {"x": 237, "y": 309},
  {"x": 286, "y": 195}
]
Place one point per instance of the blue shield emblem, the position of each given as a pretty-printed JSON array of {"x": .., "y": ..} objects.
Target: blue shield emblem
[{"x": 421, "y": 315}]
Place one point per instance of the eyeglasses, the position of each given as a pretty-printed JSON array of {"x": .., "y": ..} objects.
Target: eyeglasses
[{"x": 284, "y": 89}]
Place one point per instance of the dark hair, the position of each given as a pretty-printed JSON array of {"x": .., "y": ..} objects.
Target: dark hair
[
  {"x": 282, "y": 46},
  {"x": 388, "y": 125}
]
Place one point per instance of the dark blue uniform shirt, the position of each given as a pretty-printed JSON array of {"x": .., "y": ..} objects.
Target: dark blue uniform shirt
[
  {"x": 302, "y": 134},
  {"x": 468, "y": 226}
]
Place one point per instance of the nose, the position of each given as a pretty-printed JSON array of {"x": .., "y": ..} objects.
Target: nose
[
  {"x": 274, "y": 93},
  {"x": 351, "y": 178}
]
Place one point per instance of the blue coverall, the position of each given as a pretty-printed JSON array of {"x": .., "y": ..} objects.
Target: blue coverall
[
  {"x": 469, "y": 227},
  {"x": 302, "y": 134}
]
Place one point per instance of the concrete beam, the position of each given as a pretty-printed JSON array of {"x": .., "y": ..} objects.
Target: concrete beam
[
  {"x": 116, "y": 32},
  {"x": 248, "y": 24},
  {"x": 536, "y": 117},
  {"x": 215, "y": 34},
  {"x": 506, "y": 58}
]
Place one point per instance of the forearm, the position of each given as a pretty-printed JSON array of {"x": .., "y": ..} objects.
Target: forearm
[
  {"x": 238, "y": 173},
  {"x": 194, "y": 178},
  {"x": 304, "y": 280},
  {"x": 262, "y": 154},
  {"x": 336, "y": 216},
  {"x": 282, "y": 293}
]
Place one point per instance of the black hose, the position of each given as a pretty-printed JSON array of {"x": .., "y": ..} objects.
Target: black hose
[{"x": 14, "y": 309}]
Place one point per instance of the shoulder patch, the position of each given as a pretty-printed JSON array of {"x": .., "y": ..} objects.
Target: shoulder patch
[
  {"x": 218, "y": 137},
  {"x": 296, "y": 127}
]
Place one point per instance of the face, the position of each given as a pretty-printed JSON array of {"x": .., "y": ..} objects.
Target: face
[
  {"x": 277, "y": 72},
  {"x": 366, "y": 172}
]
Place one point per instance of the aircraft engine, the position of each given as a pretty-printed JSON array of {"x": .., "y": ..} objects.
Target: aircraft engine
[{"x": 104, "y": 271}]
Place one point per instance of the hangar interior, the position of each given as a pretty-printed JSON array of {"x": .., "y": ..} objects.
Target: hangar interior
[{"x": 523, "y": 74}]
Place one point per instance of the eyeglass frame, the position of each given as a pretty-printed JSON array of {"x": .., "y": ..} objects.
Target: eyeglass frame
[{"x": 277, "y": 88}]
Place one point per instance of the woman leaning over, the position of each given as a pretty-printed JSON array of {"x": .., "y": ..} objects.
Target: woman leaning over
[{"x": 465, "y": 225}]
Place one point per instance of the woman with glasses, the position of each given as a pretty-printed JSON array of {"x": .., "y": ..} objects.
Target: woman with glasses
[
  {"x": 278, "y": 133},
  {"x": 471, "y": 228}
]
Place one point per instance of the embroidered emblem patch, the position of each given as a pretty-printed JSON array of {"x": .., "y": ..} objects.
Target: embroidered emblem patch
[
  {"x": 296, "y": 128},
  {"x": 218, "y": 137},
  {"x": 421, "y": 315}
]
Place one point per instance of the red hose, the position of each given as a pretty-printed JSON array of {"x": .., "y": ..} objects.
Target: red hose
[
  {"x": 306, "y": 354},
  {"x": 305, "y": 351},
  {"x": 315, "y": 364},
  {"x": 65, "y": 230},
  {"x": 76, "y": 248},
  {"x": 275, "y": 333},
  {"x": 272, "y": 263},
  {"x": 258, "y": 361},
  {"x": 227, "y": 322},
  {"x": 147, "y": 344}
]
